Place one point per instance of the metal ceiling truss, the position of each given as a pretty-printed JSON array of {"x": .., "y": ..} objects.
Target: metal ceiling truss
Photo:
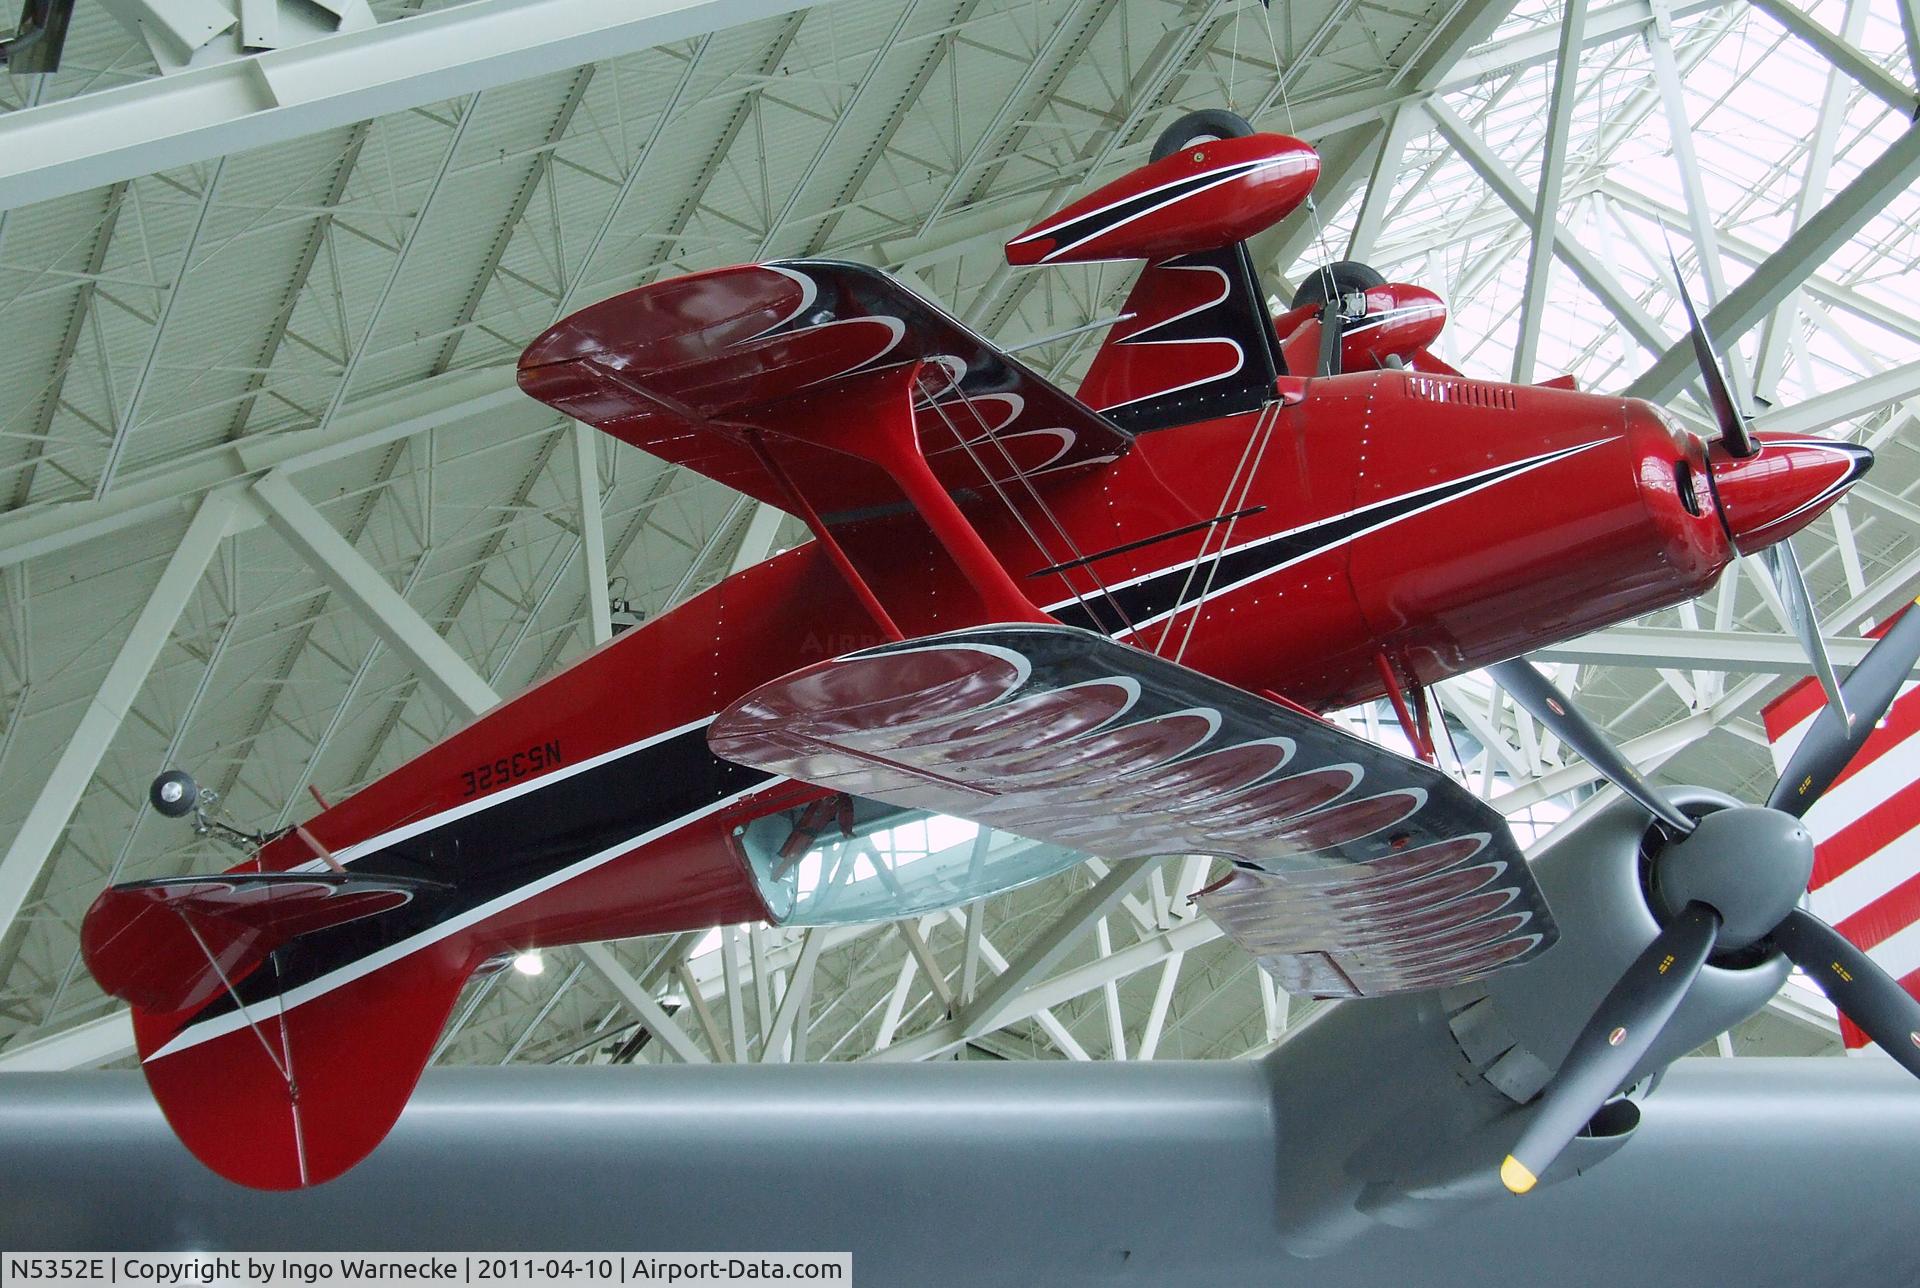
[{"x": 344, "y": 529}]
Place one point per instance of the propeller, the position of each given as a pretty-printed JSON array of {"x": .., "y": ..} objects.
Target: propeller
[
  {"x": 1623, "y": 1027},
  {"x": 1733, "y": 426},
  {"x": 1785, "y": 567},
  {"x": 1729, "y": 880},
  {"x": 1737, "y": 439},
  {"x": 1551, "y": 707},
  {"x": 1831, "y": 742}
]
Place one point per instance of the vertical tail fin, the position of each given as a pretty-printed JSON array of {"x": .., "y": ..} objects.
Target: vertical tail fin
[{"x": 1196, "y": 342}]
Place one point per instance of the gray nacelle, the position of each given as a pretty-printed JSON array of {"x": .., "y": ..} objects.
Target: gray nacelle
[
  {"x": 1592, "y": 881},
  {"x": 1405, "y": 1106}
]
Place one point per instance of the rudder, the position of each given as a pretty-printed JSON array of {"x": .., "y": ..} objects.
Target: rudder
[{"x": 284, "y": 1099}]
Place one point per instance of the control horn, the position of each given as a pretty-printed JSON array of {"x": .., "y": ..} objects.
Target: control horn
[{"x": 1719, "y": 882}]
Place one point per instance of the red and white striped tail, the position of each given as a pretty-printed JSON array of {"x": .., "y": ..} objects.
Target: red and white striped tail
[{"x": 1866, "y": 871}]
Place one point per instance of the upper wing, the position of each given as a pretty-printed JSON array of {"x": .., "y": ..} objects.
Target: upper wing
[
  {"x": 683, "y": 367},
  {"x": 1357, "y": 872}
]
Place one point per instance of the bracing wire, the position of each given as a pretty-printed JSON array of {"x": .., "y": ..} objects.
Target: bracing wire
[
  {"x": 993, "y": 481},
  {"x": 1026, "y": 481},
  {"x": 234, "y": 993},
  {"x": 1206, "y": 540},
  {"x": 1263, "y": 430},
  {"x": 1286, "y": 105}
]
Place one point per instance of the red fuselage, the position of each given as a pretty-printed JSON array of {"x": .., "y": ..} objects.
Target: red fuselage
[{"x": 1439, "y": 522}]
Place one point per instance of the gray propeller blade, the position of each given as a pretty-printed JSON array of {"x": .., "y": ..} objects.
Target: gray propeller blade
[
  {"x": 1787, "y": 578},
  {"x": 1733, "y": 425},
  {"x": 1870, "y": 689},
  {"x": 1863, "y": 992},
  {"x": 1553, "y": 709},
  {"x": 1331, "y": 327},
  {"x": 1623, "y": 1027}
]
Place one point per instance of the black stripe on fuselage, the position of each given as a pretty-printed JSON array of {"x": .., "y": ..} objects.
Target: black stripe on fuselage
[
  {"x": 495, "y": 851},
  {"x": 1180, "y": 587}
]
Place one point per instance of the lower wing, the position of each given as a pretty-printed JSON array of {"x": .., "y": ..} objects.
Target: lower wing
[{"x": 1355, "y": 872}]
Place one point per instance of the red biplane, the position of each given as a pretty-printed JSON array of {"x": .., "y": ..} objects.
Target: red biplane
[{"x": 1104, "y": 622}]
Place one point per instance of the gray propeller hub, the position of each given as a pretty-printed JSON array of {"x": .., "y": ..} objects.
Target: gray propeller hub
[{"x": 1749, "y": 863}]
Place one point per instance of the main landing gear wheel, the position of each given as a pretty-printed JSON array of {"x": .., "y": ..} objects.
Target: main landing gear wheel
[
  {"x": 1200, "y": 127},
  {"x": 1336, "y": 281}
]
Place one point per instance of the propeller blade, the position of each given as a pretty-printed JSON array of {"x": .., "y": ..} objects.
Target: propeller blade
[
  {"x": 1733, "y": 425},
  {"x": 1331, "y": 327},
  {"x": 1553, "y": 709},
  {"x": 1865, "y": 994},
  {"x": 1792, "y": 585},
  {"x": 1618, "y": 1036},
  {"x": 1870, "y": 689}
]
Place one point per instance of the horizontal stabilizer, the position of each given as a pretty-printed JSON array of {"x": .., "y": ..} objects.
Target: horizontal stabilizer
[
  {"x": 174, "y": 944},
  {"x": 1358, "y": 872}
]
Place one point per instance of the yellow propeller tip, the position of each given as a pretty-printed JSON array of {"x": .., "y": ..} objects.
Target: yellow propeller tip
[{"x": 1515, "y": 1176}]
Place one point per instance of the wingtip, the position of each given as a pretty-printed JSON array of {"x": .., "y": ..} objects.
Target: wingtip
[{"x": 1515, "y": 1176}]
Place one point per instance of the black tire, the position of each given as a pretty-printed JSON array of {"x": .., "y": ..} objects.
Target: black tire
[
  {"x": 1344, "y": 278},
  {"x": 174, "y": 793},
  {"x": 1200, "y": 127}
]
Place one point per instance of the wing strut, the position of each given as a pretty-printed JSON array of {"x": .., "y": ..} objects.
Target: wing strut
[
  {"x": 872, "y": 417},
  {"x": 824, "y": 535},
  {"x": 1419, "y": 730}
]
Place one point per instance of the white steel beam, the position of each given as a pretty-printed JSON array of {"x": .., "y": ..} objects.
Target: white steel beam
[
  {"x": 1844, "y": 56},
  {"x": 1162, "y": 1000},
  {"x": 1910, "y": 31},
  {"x": 990, "y": 1009},
  {"x": 642, "y": 1004},
  {"x": 1819, "y": 285},
  {"x": 756, "y": 543},
  {"x": 1805, "y": 249},
  {"x": 360, "y": 584},
  {"x": 1634, "y": 320},
  {"x": 84, "y": 1046},
  {"x": 1881, "y": 499},
  {"x": 1813, "y": 189},
  {"x": 129, "y": 412},
  {"x": 709, "y": 1027},
  {"x": 73, "y": 771},
  {"x": 1665, "y": 646},
  {"x": 1553, "y": 168},
  {"x": 1038, "y": 998},
  {"x": 1402, "y": 126},
  {"x": 788, "y": 1021},
  {"x": 1851, "y": 403},
  {"x": 148, "y": 495},
  {"x": 170, "y": 121}
]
